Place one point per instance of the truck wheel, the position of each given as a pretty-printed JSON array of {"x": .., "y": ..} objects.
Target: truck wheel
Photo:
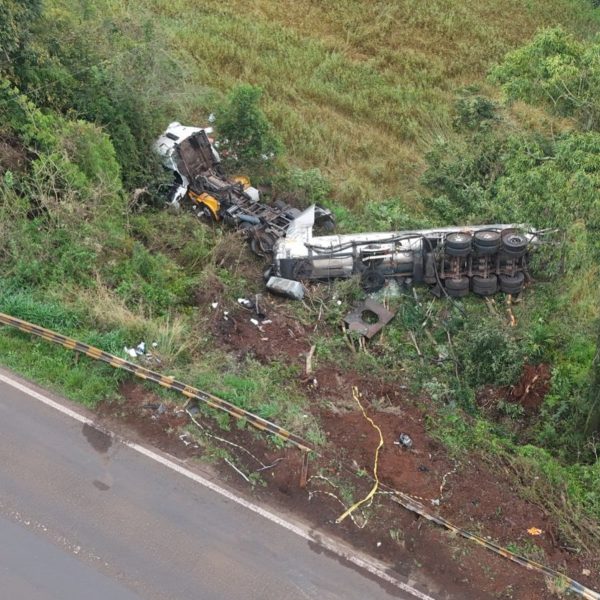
[
  {"x": 514, "y": 245},
  {"x": 262, "y": 244},
  {"x": 485, "y": 286},
  {"x": 371, "y": 280},
  {"x": 328, "y": 224},
  {"x": 487, "y": 242},
  {"x": 512, "y": 284},
  {"x": 457, "y": 288},
  {"x": 458, "y": 244}
]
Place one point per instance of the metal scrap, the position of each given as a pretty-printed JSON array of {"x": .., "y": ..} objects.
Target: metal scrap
[{"x": 356, "y": 318}]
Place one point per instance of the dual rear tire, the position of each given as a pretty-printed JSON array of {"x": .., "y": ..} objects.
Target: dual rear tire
[{"x": 485, "y": 286}]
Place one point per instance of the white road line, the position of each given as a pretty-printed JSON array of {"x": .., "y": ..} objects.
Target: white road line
[{"x": 372, "y": 566}]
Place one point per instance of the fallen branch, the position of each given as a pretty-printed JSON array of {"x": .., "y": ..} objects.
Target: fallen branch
[
  {"x": 309, "y": 358},
  {"x": 236, "y": 469},
  {"x": 511, "y": 316},
  {"x": 220, "y": 439},
  {"x": 414, "y": 341}
]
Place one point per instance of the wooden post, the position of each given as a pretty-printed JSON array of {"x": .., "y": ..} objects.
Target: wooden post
[{"x": 304, "y": 470}]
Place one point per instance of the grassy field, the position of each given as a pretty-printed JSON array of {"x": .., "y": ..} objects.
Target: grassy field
[{"x": 358, "y": 89}]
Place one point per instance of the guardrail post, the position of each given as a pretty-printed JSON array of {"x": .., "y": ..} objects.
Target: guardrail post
[{"x": 304, "y": 470}]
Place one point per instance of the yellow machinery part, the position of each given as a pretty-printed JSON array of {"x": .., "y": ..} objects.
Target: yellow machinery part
[
  {"x": 243, "y": 180},
  {"x": 209, "y": 201}
]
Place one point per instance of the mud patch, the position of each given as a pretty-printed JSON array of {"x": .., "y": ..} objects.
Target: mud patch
[
  {"x": 277, "y": 336},
  {"x": 103, "y": 487}
]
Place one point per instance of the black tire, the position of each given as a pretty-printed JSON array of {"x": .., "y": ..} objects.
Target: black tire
[
  {"x": 485, "y": 286},
  {"x": 255, "y": 247},
  {"x": 457, "y": 288},
  {"x": 458, "y": 244},
  {"x": 262, "y": 244},
  {"x": 512, "y": 284},
  {"x": 487, "y": 242},
  {"x": 328, "y": 224},
  {"x": 371, "y": 280},
  {"x": 514, "y": 244}
]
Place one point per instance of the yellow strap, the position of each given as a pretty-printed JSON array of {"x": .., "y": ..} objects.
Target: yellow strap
[{"x": 356, "y": 395}]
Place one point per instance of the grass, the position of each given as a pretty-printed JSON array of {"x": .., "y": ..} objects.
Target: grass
[
  {"x": 56, "y": 368},
  {"x": 358, "y": 89}
]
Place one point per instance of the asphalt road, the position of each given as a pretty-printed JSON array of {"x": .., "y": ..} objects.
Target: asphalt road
[{"x": 85, "y": 516}]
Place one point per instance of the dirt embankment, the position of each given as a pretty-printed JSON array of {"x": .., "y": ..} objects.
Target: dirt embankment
[{"x": 471, "y": 493}]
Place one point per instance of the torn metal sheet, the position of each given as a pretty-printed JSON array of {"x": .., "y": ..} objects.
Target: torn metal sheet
[{"x": 368, "y": 317}]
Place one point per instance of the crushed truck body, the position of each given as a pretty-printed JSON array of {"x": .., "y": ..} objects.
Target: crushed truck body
[
  {"x": 483, "y": 258},
  {"x": 201, "y": 185}
]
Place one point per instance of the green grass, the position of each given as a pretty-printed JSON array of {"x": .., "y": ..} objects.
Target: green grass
[
  {"x": 83, "y": 381},
  {"x": 357, "y": 89}
]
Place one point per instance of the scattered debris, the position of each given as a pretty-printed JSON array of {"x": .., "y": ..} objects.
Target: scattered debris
[
  {"x": 246, "y": 303},
  {"x": 237, "y": 470},
  {"x": 368, "y": 317},
  {"x": 534, "y": 531},
  {"x": 405, "y": 441},
  {"x": 140, "y": 352}
]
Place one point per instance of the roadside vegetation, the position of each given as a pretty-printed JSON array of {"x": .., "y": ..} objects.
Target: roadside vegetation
[{"x": 422, "y": 115}]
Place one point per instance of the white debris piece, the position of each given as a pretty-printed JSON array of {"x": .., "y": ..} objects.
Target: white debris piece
[
  {"x": 254, "y": 322},
  {"x": 155, "y": 344},
  {"x": 245, "y": 302},
  {"x": 141, "y": 348},
  {"x": 130, "y": 352},
  {"x": 214, "y": 305}
]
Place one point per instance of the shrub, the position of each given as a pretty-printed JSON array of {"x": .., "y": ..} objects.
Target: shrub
[
  {"x": 488, "y": 354},
  {"x": 247, "y": 139}
]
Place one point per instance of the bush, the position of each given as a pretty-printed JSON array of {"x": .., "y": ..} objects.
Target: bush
[
  {"x": 557, "y": 71},
  {"x": 247, "y": 139},
  {"x": 302, "y": 187},
  {"x": 488, "y": 354}
]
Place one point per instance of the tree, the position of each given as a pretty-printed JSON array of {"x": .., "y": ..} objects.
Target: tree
[
  {"x": 16, "y": 19},
  {"x": 558, "y": 71},
  {"x": 247, "y": 138}
]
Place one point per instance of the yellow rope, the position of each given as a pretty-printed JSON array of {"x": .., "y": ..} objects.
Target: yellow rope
[{"x": 355, "y": 395}]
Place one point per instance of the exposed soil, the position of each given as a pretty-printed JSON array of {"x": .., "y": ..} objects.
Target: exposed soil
[
  {"x": 531, "y": 388},
  {"x": 13, "y": 157},
  {"x": 471, "y": 493},
  {"x": 244, "y": 333}
]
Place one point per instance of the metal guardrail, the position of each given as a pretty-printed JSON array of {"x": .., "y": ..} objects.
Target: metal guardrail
[
  {"x": 165, "y": 381},
  {"x": 568, "y": 584},
  {"x": 162, "y": 380}
]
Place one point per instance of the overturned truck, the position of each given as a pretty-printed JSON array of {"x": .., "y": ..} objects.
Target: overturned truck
[
  {"x": 483, "y": 259},
  {"x": 201, "y": 185}
]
